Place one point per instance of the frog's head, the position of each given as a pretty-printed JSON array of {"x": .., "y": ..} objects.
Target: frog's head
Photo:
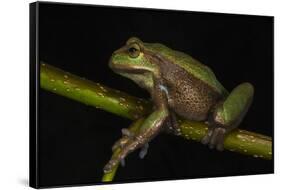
[{"x": 132, "y": 59}]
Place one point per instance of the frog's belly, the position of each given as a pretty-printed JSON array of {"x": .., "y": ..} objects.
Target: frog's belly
[{"x": 193, "y": 103}]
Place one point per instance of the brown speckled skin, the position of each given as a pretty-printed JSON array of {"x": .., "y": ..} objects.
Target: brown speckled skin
[{"x": 188, "y": 96}]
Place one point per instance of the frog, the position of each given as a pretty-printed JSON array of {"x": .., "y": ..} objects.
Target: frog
[{"x": 179, "y": 86}]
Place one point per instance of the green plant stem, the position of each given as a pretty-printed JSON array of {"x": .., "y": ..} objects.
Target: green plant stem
[
  {"x": 92, "y": 94},
  {"x": 122, "y": 104}
]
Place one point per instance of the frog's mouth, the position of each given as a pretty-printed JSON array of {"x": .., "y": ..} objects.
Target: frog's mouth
[
  {"x": 118, "y": 68},
  {"x": 128, "y": 70}
]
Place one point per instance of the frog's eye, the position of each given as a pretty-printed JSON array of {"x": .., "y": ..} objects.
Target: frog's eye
[{"x": 134, "y": 50}]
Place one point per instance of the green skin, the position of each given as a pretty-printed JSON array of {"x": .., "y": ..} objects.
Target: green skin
[{"x": 180, "y": 86}]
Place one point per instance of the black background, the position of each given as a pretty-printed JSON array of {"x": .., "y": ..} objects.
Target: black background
[{"x": 75, "y": 140}]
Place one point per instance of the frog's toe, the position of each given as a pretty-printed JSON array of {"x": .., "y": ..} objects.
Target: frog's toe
[
  {"x": 220, "y": 147},
  {"x": 215, "y": 138},
  {"x": 206, "y": 139},
  {"x": 143, "y": 151},
  {"x": 220, "y": 139}
]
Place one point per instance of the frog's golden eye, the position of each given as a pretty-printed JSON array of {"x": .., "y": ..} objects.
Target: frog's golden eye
[{"x": 134, "y": 50}]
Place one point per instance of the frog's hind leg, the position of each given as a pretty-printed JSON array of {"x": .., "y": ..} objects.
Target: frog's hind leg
[{"x": 228, "y": 114}]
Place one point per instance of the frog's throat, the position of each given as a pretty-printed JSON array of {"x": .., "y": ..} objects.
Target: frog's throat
[{"x": 143, "y": 80}]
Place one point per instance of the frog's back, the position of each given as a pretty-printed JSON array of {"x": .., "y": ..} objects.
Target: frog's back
[{"x": 191, "y": 65}]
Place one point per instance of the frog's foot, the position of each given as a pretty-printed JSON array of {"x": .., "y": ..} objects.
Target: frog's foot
[
  {"x": 228, "y": 114},
  {"x": 215, "y": 138}
]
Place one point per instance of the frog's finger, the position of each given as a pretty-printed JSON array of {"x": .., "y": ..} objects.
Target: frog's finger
[
  {"x": 143, "y": 151},
  {"x": 109, "y": 166},
  {"x": 123, "y": 162},
  {"x": 120, "y": 143},
  {"x": 127, "y": 133},
  {"x": 129, "y": 147}
]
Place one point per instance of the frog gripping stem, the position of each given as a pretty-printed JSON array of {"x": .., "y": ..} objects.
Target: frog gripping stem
[
  {"x": 228, "y": 114},
  {"x": 240, "y": 141},
  {"x": 152, "y": 125}
]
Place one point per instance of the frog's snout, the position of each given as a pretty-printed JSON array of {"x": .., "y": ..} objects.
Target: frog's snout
[{"x": 113, "y": 62}]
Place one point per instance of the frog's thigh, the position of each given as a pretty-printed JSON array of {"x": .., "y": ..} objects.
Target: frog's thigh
[
  {"x": 151, "y": 126},
  {"x": 229, "y": 114},
  {"x": 234, "y": 108}
]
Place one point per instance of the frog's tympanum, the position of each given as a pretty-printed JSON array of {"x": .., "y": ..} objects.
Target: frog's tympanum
[{"x": 180, "y": 86}]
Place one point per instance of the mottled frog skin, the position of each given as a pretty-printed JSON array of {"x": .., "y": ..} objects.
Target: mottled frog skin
[{"x": 181, "y": 86}]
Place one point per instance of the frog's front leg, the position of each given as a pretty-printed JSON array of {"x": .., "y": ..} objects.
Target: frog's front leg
[
  {"x": 151, "y": 127},
  {"x": 228, "y": 114},
  {"x": 154, "y": 123}
]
